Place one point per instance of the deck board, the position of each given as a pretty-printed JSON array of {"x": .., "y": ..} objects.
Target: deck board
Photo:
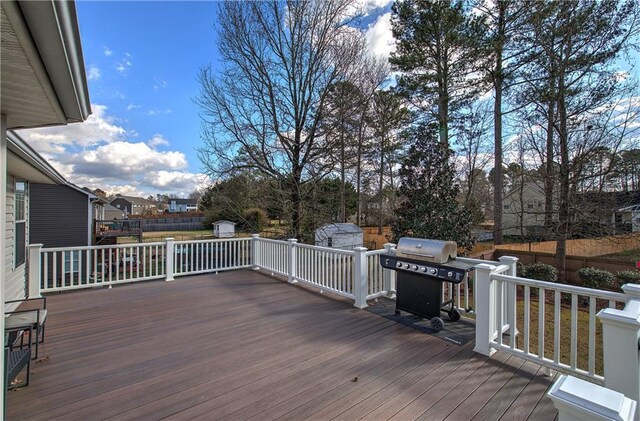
[{"x": 241, "y": 345}]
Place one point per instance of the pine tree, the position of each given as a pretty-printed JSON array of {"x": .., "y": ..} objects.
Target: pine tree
[{"x": 429, "y": 208}]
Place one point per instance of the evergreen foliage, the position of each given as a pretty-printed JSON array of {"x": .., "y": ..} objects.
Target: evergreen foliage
[
  {"x": 595, "y": 278},
  {"x": 541, "y": 272},
  {"x": 429, "y": 208}
]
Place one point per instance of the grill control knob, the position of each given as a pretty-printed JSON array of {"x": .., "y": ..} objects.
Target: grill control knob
[
  {"x": 406, "y": 266},
  {"x": 450, "y": 274},
  {"x": 433, "y": 271},
  {"x": 423, "y": 269},
  {"x": 398, "y": 265},
  {"x": 414, "y": 267}
]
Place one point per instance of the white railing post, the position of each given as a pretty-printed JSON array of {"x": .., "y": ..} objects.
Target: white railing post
[
  {"x": 577, "y": 400},
  {"x": 292, "y": 260},
  {"x": 509, "y": 296},
  {"x": 620, "y": 341},
  {"x": 387, "y": 274},
  {"x": 255, "y": 243},
  {"x": 170, "y": 258},
  {"x": 485, "y": 296},
  {"x": 360, "y": 277},
  {"x": 35, "y": 270}
]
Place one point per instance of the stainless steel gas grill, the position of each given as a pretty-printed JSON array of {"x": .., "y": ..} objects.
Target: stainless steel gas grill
[{"x": 422, "y": 267}]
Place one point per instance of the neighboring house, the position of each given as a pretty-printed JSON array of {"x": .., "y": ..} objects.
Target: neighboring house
[
  {"x": 607, "y": 212},
  {"x": 111, "y": 212},
  {"x": 630, "y": 215},
  {"x": 183, "y": 205},
  {"x": 224, "y": 229},
  {"x": 43, "y": 84},
  {"x": 67, "y": 206},
  {"x": 523, "y": 210},
  {"x": 339, "y": 235},
  {"x": 131, "y": 205}
]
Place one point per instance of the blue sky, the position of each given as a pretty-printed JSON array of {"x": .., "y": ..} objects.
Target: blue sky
[{"x": 142, "y": 61}]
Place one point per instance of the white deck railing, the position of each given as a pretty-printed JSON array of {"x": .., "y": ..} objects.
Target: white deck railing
[
  {"x": 207, "y": 256},
  {"x": 551, "y": 324},
  {"x": 67, "y": 268}
]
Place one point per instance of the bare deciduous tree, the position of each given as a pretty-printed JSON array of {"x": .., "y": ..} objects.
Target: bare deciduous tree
[{"x": 262, "y": 107}]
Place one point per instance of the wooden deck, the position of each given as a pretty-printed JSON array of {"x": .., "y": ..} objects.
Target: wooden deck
[{"x": 241, "y": 345}]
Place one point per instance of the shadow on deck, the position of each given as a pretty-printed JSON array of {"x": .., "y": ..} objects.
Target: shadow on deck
[{"x": 242, "y": 345}]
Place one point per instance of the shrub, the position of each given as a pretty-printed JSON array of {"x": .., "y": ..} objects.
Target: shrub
[
  {"x": 255, "y": 219},
  {"x": 628, "y": 277},
  {"x": 595, "y": 278},
  {"x": 541, "y": 272},
  {"x": 521, "y": 270},
  {"x": 210, "y": 216}
]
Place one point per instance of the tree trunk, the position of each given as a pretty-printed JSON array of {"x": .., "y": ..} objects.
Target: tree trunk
[
  {"x": 497, "y": 166},
  {"x": 380, "y": 187},
  {"x": 563, "y": 208},
  {"x": 498, "y": 81},
  {"x": 549, "y": 176}
]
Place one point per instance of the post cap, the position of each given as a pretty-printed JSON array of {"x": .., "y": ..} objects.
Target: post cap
[
  {"x": 292, "y": 240},
  {"x": 255, "y": 235},
  {"x": 485, "y": 266},
  {"x": 631, "y": 289},
  {"x": 509, "y": 259},
  {"x": 583, "y": 400}
]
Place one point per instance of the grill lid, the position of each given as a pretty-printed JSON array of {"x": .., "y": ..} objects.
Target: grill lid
[{"x": 434, "y": 251}]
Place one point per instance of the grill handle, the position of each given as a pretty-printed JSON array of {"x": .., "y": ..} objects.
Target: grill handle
[{"x": 418, "y": 254}]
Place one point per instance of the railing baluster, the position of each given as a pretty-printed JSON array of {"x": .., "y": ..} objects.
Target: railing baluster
[
  {"x": 592, "y": 336},
  {"x": 574, "y": 331},
  {"x": 556, "y": 327},
  {"x": 527, "y": 318},
  {"x": 499, "y": 311},
  {"x": 541, "y": 321}
]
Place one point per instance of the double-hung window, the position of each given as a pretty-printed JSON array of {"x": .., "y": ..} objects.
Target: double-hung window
[{"x": 20, "y": 214}]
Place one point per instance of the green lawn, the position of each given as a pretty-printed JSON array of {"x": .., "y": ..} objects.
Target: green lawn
[{"x": 628, "y": 255}]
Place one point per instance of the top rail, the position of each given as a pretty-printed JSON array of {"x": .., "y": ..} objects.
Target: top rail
[{"x": 569, "y": 289}]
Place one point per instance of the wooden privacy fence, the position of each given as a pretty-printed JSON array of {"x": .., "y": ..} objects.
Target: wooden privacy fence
[
  {"x": 588, "y": 247},
  {"x": 573, "y": 263}
]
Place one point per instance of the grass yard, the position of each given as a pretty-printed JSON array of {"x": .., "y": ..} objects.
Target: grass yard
[{"x": 628, "y": 255}]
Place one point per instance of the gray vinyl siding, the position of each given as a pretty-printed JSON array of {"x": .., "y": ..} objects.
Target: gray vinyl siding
[
  {"x": 59, "y": 216},
  {"x": 15, "y": 284},
  {"x": 125, "y": 205}
]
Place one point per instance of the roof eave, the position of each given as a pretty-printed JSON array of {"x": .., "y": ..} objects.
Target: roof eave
[
  {"x": 54, "y": 29},
  {"x": 18, "y": 146}
]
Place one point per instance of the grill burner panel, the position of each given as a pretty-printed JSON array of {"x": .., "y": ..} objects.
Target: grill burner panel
[{"x": 453, "y": 271}]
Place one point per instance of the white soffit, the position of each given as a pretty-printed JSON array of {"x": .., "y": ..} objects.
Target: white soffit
[{"x": 28, "y": 99}]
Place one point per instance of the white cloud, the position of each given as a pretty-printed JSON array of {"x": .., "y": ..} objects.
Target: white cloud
[
  {"x": 107, "y": 51},
  {"x": 100, "y": 154},
  {"x": 379, "y": 37},
  {"x": 133, "y": 107},
  {"x": 125, "y": 63},
  {"x": 98, "y": 128},
  {"x": 157, "y": 140},
  {"x": 159, "y": 83},
  {"x": 365, "y": 7},
  {"x": 159, "y": 112},
  {"x": 176, "y": 181},
  {"x": 94, "y": 73},
  {"x": 125, "y": 159}
]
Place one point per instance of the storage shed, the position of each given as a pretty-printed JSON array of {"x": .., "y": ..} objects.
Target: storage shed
[
  {"x": 224, "y": 229},
  {"x": 344, "y": 236}
]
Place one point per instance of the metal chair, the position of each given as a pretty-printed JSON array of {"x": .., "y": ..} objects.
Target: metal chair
[
  {"x": 26, "y": 314},
  {"x": 17, "y": 356}
]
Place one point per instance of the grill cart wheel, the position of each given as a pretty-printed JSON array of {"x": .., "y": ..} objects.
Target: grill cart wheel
[
  {"x": 397, "y": 312},
  {"x": 437, "y": 324},
  {"x": 454, "y": 315}
]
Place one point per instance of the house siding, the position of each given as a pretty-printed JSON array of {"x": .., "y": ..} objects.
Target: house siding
[
  {"x": 51, "y": 204},
  {"x": 125, "y": 205},
  {"x": 15, "y": 283}
]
